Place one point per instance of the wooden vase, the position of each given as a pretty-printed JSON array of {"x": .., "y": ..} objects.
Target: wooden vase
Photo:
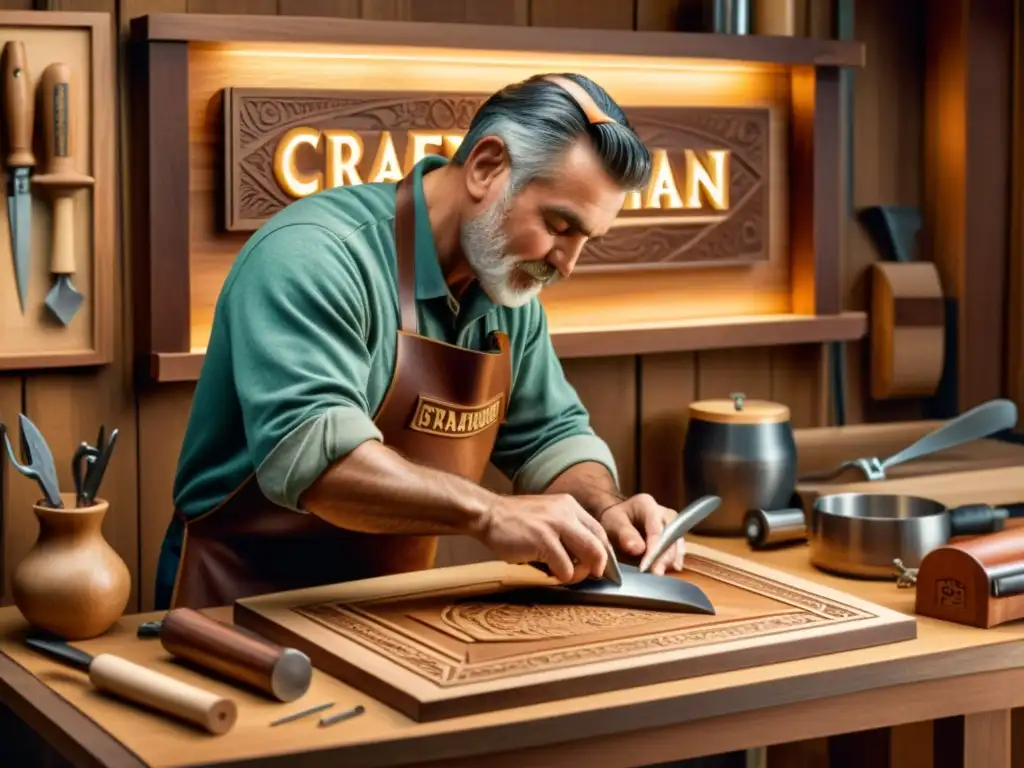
[{"x": 72, "y": 583}]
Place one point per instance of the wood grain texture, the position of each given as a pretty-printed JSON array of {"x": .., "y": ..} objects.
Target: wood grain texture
[
  {"x": 441, "y": 645},
  {"x": 33, "y": 340},
  {"x": 1015, "y": 325},
  {"x": 888, "y": 165},
  {"x": 163, "y": 416},
  {"x": 966, "y": 214}
]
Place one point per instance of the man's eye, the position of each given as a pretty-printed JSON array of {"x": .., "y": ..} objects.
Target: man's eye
[{"x": 557, "y": 229}]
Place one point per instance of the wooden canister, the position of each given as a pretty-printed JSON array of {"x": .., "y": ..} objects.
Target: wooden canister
[
  {"x": 775, "y": 17},
  {"x": 236, "y": 653},
  {"x": 908, "y": 333}
]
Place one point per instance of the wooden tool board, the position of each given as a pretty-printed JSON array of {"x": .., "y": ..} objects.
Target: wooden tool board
[{"x": 459, "y": 641}]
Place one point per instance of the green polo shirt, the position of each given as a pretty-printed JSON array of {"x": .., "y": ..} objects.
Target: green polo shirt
[{"x": 302, "y": 351}]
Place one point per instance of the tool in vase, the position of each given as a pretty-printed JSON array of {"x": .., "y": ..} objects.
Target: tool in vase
[
  {"x": 62, "y": 180},
  {"x": 18, "y": 117},
  {"x": 37, "y": 461},
  {"x": 120, "y": 677},
  {"x": 88, "y": 466},
  {"x": 978, "y": 423}
]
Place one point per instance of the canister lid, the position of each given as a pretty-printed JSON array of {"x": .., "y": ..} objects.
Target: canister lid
[{"x": 738, "y": 410}]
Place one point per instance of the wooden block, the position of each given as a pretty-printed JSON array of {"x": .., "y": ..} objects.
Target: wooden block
[
  {"x": 442, "y": 644},
  {"x": 908, "y": 330}
]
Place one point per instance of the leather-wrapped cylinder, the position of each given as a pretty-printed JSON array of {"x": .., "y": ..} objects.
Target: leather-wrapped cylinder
[
  {"x": 908, "y": 330},
  {"x": 742, "y": 451},
  {"x": 235, "y": 653}
]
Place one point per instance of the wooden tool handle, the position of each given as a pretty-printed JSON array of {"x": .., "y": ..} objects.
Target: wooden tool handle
[
  {"x": 57, "y": 127},
  {"x": 163, "y": 693},
  {"x": 62, "y": 245},
  {"x": 18, "y": 105},
  {"x": 236, "y": 653}
]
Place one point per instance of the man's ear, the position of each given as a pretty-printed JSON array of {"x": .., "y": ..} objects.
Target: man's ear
[{"x": 487, "y": 166}]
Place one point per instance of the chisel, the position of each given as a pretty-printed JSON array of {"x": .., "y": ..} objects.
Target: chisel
[
  {"x": 120, "y": 677},
  {"x": 18, "y": 114},
  {"x": 62, "y": 180}
]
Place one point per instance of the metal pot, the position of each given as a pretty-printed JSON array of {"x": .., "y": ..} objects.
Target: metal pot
[
  {"x": 861, "y": 534},
  {"x": 742, "y": 451}
]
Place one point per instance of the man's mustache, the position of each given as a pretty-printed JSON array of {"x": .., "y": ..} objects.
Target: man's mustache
[{"x": 538, "y": 270}]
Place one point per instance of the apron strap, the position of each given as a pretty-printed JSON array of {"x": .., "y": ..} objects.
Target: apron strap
[{"x": 405, "y": 248}]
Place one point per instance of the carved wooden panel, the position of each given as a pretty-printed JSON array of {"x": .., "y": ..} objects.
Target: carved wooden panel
[
  {"x": 458, "y": 641},
  {"x": 707, "y": 203}
]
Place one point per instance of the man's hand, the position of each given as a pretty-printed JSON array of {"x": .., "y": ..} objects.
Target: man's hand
[
  {"x": 635, "y": 525},
  {"x": 550, "y": 528}
]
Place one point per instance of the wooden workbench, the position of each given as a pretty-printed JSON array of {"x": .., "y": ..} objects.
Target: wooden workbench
[{"x": 948, "y": 670}]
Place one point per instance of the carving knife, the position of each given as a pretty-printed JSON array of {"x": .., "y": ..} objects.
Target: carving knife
[
  {"x": 682, "y": 523},
  {"x": 120, "y": 677},
  {"x": 18, "y": 114}
]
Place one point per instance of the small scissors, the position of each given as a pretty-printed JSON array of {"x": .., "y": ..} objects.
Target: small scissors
[
  {"x": 38, "y": 460},
  {"x": 89, "y": 464}
]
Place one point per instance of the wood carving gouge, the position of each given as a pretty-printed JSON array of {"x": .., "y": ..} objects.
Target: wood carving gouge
[{"x": 18, "y": 114}]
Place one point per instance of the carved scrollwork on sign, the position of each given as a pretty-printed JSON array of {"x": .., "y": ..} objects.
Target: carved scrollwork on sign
[
  {"x": 526, "y": 637},
  {"x": 707, "y": 203}
]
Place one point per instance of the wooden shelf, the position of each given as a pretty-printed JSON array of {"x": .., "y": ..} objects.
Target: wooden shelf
[
  {"x": 688, "y": 336},
  {"x": 224, "y": 28}
]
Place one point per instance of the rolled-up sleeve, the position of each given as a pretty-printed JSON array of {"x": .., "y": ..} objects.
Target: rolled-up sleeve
[
  {"x": 547, "y": 430},
  {"x": 296, "y": 314}
]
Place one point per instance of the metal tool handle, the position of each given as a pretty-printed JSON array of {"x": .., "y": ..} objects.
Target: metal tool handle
[
  {"x": 972, "y": 519},
  {"x": 682, "y": 523},
  {"x": 18, "y": 105},
  {"x": 977, "y": 423}
]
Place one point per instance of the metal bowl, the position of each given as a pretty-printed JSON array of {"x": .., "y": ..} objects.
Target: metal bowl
[{"x": 860, "y": 534}]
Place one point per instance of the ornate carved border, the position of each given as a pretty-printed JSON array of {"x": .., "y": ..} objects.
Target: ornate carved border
[
  {"x": 445, "y": 671},
  {"x": 256, "y": 120}
]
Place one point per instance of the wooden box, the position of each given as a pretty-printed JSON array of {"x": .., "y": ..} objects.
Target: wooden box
[
  {"x": 34, "y": 338},
  {"x": 456, "y": 641}
]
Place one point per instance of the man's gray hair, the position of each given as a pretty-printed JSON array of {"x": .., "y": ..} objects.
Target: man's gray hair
[{"x": 538, "y": 121}]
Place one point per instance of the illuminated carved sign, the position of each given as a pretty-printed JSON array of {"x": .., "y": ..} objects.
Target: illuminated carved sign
[{"x": 707, "y": 201}]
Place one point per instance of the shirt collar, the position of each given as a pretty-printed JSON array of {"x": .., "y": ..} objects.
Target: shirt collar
[{"x": 430, "y": 283}]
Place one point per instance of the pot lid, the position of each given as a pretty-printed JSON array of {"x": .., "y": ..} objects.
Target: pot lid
[{"x": 739, "y": 410}]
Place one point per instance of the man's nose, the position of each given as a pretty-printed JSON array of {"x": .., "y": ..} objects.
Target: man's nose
[{"x": 564, "y": 258}]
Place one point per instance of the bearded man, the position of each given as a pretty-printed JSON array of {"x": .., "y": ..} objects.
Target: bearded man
[{"x": 375, "y": 346}]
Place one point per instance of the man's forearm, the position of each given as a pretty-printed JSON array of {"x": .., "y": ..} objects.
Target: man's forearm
[
  {"x": 591, "y": 484},
  {"x": 375, "y": 490}
]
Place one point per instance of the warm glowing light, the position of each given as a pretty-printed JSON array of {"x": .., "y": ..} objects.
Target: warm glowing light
[{"x": 703, "y": 177}]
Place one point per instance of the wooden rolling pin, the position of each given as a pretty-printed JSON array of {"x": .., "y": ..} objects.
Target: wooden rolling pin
[
  {"x": 123, "y": 678},
  {"x": 284, "y": 673}
]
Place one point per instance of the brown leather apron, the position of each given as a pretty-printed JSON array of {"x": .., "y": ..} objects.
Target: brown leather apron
[{"x": 442, "y": 409}]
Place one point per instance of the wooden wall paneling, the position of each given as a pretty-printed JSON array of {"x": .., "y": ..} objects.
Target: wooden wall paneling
[
  {"x": 591, "y": 14},
  {"x": 263, "y": 7},
  {"x": 969, "y": 52},
  {"x": 163, "y": 416},
  {"x": 887, "y": 167},
  {"x": 658, "y": 15},
  {"x": 799, "y": 379},
  {"x": 349, "y": 9},
  {"x": 507, "y": 12},
  {"x": 668, "y": 384},
  {"x": 18, "y": 525},
  {"x": 69, "y": 407},
  {"x": 1015, "y": 325}
]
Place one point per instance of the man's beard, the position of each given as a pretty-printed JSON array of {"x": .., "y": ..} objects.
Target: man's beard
[{"x": 506, "y": 280}]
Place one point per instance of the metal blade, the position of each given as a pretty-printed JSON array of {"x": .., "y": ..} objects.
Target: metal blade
[
  {"x": 62, "y": 651},
  {"x": 638, "y": 590},
  {"x": 63, "y": 299},
  {"x": 680, "y": 525},
  {"x": 19, "y": 208}
]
